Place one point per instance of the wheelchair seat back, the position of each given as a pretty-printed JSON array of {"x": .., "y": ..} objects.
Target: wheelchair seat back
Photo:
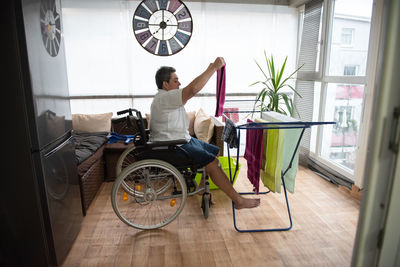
[{"x": 144, "y": 138}]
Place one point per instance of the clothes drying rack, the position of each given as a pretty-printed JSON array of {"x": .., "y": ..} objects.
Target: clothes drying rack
[{"x": 267, "y": 126}]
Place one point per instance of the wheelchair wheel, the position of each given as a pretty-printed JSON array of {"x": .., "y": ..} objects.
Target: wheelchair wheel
[
  {"x": 205, "y": 205},
  {"x": 126, "y": 159},
  {"x": 148, "y": 194}
]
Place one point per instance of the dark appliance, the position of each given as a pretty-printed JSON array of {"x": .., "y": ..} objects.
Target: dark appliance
[{"x": 41, "y": 212}]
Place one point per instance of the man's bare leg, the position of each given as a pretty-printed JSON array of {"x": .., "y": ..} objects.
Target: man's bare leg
[{"x": 219, "y": 178}]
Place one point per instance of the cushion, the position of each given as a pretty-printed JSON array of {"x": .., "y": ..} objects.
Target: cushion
[
  {"x": 203, "y": 126},
  {"x": 92, "y": 122},
  {"x": 191, "y": 116},
  {"x": 148, "y": 119}
]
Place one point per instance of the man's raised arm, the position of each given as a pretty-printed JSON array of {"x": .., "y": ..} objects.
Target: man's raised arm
[{"x": 200, "y": 81}]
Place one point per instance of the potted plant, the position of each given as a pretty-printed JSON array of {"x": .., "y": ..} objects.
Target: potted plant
[{"x": 270, "y": 97}]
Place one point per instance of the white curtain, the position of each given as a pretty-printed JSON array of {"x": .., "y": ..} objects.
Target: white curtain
[{"x": 104, "y": 58}]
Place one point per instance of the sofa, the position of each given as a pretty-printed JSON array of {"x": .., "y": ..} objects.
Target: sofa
[{"x": 99, "y": 166}]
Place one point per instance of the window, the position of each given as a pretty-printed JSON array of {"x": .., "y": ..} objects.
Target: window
[
  {"x": 336, "y": 89},
  {"x": 347, "y": 36},
  {"x": 350, "y": 70}
]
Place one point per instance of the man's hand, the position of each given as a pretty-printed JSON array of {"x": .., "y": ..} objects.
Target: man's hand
[{"x": 218, "y": 63}]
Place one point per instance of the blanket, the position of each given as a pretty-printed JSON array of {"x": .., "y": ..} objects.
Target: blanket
[{"x": 86, "y": 144}]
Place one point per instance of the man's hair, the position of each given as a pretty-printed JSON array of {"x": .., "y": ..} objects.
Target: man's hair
[{"x": 163, "y": 75}]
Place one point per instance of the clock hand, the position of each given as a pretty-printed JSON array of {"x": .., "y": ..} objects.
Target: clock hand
[
  {"x": 157, "y": 30},
  {"x": 170, "y": 19}
]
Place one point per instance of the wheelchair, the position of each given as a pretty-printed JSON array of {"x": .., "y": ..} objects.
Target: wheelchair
[{"x": 153, "y": 180}]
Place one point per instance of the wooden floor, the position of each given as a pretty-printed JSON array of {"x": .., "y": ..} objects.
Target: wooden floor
[{"x": 324, "y": 227}]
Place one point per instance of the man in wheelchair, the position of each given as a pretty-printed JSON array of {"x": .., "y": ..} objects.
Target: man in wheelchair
[{"x": 170, "y": 122}]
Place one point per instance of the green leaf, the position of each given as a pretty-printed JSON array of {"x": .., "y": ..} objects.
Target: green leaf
[
  {"x": 276, "y": 102},
  {"x": 268, "y": 66},
  {"x": 281, "y": 73},
  {"x": 297, "y": 93},
  {"x": 282, "y": 111},
  {"x": 288, "y": 103},
  {"x": 265, "y": 75},
  {"x": 293, "y": 107},
  {"x": 255, "y": 83},
  {"x": 272, "y": 65},
  {"x": 272, "y": 68},
  {"x": 291, "y": 75},
  {"x": 297, "y": 111},
  {"x": 257, "y": 99}
]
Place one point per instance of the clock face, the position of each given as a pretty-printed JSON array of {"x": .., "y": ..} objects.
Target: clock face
[
  {"x": 162, "y": 27},
  {"x": 50, "y": 25}
]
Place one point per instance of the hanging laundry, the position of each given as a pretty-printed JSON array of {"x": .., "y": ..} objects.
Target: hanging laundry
[
  {"x": 271, "y": 164},
  {"x": 229, "y": 134},
  {"x": 231, "y": 113},
  {"x": 253, "y": 155},
  {"x": 220, "y": 91},
  {"x": 290, "y": 138}
]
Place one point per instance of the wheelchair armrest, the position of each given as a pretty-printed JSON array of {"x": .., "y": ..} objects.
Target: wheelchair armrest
[{"x": 167, "y": 143}]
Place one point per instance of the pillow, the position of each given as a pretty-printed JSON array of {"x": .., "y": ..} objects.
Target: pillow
[
  {"x": 148, "y": 119},
  {"x": 92, "y": 122},
  {"x": 203, "y": 126},
  {"x": 191, "y": 116}
]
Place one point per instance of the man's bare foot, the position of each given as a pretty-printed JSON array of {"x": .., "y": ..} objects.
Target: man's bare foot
[
  {"x": 247, "y": 203},
  {"x": 212, "y": 201}
]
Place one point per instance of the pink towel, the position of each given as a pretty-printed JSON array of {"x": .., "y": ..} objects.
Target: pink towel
[
  {"x": 220, "y": 91},
  {"x": 253, "y": 155}
]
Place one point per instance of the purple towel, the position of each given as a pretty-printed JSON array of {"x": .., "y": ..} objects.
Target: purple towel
[
  {"x": 220, "y": 91},
  {"x": 253, "y": 155}
]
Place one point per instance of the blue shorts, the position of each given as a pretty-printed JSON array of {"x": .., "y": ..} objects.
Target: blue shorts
[{"x": 201, "y": 152}]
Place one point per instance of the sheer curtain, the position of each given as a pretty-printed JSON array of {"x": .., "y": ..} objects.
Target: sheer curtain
[{"x": 105, "y": 61}]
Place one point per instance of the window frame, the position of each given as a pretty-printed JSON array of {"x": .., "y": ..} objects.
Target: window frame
[{"x": 322, "y": 76}]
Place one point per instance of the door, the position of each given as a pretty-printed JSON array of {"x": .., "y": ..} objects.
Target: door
[{"x": 378, "y": 236}]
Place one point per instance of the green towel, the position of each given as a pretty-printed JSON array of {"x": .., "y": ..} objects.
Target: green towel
[
  {"x": 271, "y": 164},
  {"x": 290, "y": 137}
]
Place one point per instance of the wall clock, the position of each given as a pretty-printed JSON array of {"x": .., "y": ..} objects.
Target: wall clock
[
  {"x": 162, "y": 27},
  {"x": 50, "y": 25}
]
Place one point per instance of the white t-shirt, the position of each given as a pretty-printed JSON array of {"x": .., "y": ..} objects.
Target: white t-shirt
[{"x": 168, "y": 118}]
